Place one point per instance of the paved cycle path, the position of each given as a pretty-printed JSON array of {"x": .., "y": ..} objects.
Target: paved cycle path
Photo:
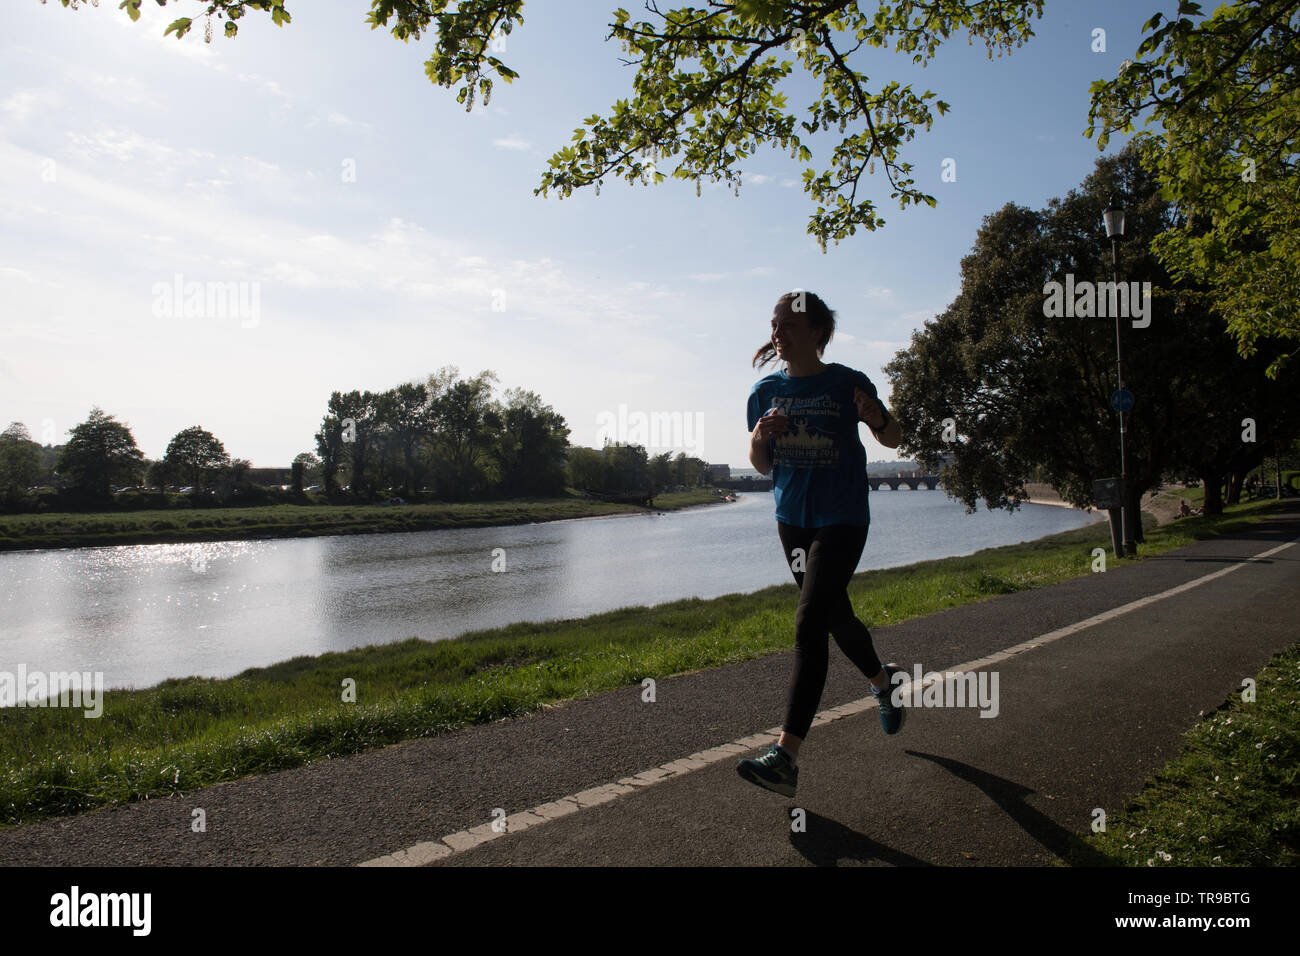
[{"x": 1085, "y": 715}]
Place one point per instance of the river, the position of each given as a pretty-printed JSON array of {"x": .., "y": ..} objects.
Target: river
[{"x": 139, "y": 614}]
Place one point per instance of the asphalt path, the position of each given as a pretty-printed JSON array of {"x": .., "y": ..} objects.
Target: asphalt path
[{"x": 1082, "y": 722}]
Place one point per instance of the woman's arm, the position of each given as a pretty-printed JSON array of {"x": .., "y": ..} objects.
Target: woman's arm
[
  {"x": 759, "y": 458},
  {"x": 891, "y": 436},
  {"x": 883, "y": 425},
  {"x": 768, "y": 427}
]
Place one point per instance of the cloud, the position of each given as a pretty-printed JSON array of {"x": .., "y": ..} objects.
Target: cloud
[
  {"x": 266, "y": 85},
  {"x": 126, "y": 145},
  {"x": 339, "y": 119},
  {"x": 388, "y": 280},
  {"x": 9, "y": 272},
  {"x": 22, "y": 103},
  {"x": 512, "y": 142},
  {"x": 757, "y": 179},
  {"x": 118, "y": 90}
]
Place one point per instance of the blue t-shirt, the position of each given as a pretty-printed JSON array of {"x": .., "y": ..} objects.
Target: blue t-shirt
[{"x": 819, "y": 467}]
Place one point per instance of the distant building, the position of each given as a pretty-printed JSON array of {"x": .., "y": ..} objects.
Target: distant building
[{"x": 719, "y": 472}]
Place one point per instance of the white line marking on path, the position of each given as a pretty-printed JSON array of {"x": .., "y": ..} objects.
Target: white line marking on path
[{"x": 462, "y": 840}]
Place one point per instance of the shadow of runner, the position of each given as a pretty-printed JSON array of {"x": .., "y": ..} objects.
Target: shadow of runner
[
  {"x": 827, "y": 841},
  {"x": 1069, "y": 847}
]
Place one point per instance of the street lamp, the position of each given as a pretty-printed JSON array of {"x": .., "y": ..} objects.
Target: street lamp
[{"x": 1113, "y": 216}]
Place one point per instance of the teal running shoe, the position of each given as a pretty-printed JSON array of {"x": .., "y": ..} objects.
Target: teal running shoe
[
  {"x": 891, "y": 717},
  {"x": 772, "y": 771}
]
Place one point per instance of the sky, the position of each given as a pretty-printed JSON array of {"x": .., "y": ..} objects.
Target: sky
[{"x": 369, "y": 231}]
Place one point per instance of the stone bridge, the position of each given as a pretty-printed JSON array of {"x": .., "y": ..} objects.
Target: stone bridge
[{"x": 914, "y": 481}]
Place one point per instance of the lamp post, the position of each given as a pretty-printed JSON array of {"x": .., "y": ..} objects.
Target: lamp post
[{"x": 1113, "y": 216}]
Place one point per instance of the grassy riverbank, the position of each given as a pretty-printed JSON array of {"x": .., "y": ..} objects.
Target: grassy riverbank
[
  {"x": 67, "y": 530},
  {"x": 193, "y": 732}
]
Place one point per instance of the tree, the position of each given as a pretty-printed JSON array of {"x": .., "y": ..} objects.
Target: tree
[
  {"x": 233, "y": 479},
  {"x": 465, "y": 426},
  {"x": 100, "y": 453},
  {"x": 359, "y": 423},
  {"x": 995, "y": 387},
  {"x": 626, "y": 467},
  {"x": 406, "y": 412},
  {"x": 531, "y": 445},
  {"x": 197, "y": 456},
  {"x": 661, "y": 471},
  {"x": 330, "y": 441},
  {"x": 586, "y": 469},
  {"x": 721, "y": 111},
  {"x": 305, "y": 465},
  {"x": 1223, "y": 96},
  {"x": 690, "y": 472},
  {"x": 20, "y": 462}
]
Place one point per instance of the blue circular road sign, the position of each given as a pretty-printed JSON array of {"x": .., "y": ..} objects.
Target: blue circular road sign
[{"x": 1121, "y": 400}]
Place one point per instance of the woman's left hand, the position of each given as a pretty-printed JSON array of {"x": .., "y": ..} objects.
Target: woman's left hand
[{"x": 866, "y": 405}]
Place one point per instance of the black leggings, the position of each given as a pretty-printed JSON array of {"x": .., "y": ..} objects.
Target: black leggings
[{"x": 829, "y": 556}]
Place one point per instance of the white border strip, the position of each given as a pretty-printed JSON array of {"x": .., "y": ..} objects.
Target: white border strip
[{"x": 462, "y": 840}]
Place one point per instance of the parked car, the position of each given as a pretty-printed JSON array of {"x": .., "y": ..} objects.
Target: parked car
[
  {"x": 186, "y": 490},
  {"x": 314, "y": 488}
]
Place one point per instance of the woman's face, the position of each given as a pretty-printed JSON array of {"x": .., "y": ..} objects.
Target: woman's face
[{"x": 793, "y": 337}]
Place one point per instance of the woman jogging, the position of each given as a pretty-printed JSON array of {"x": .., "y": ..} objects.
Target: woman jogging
[{"x": 804, "y": 431}]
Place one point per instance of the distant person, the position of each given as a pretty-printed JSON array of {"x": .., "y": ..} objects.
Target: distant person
[
  {"x": 1183, "y": 509},
  {"x": 820, "y": 486}
]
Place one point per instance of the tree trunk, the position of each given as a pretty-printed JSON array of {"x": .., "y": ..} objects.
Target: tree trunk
[
  {"x": 1234, "y": 488},
  {"x": 1213, "y": 502},
  {"x": 1134, "y": 501}
]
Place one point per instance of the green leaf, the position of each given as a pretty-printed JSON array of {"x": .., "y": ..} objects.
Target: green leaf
[
  {"x": 181, "y": 27},
  {"x": 132, "y": 7}
]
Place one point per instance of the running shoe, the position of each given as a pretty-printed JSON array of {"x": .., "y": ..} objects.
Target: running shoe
[
  {"x": 891, "y": 717},
  {"x": 772, "y": 771}
]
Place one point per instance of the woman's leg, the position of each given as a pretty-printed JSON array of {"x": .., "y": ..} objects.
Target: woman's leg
[
  {"x": 830, "y": 556},
  {"x": 853, "y": 638}
]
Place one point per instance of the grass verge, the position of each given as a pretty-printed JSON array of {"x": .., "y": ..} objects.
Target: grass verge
[
  {"x": 1230, "y": 797},
  {"x": 193, "y": 732}
]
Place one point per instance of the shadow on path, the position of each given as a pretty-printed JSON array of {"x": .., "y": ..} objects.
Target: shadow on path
[
  {"x": 1064, "y": 844},
  {"x": 827, "y": 841}
]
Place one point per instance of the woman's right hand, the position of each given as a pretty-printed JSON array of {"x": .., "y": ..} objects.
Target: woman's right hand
[{"x": 769, "y": 426}]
